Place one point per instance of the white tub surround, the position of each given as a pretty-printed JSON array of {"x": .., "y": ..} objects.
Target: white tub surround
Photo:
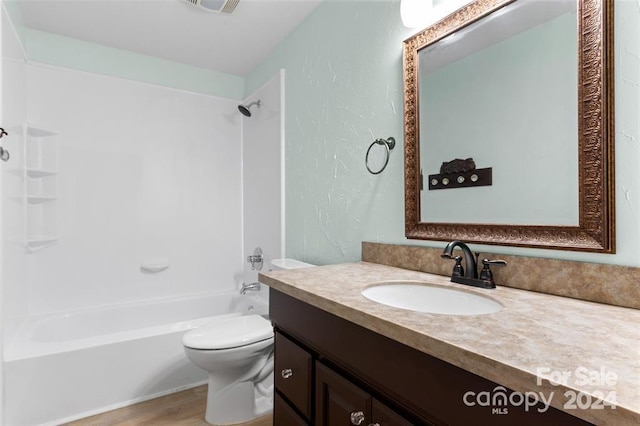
[
  {"x": 263, "y": 176},
  {"x": 142, "y": 173},
  {"x": 71, "y": 365}
]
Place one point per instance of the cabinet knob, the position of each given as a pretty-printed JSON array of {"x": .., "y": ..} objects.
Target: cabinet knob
[
  {"x": 357, "y": 417},
  {"x": 286, "y": 373},
  {"x": 374, "y": 424}
]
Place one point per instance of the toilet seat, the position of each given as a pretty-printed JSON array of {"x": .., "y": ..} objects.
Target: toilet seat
[{"x": 229, "y": 333}]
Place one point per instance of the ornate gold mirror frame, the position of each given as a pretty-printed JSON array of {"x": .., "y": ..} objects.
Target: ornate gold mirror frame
[{"x": 596, "y": 228}]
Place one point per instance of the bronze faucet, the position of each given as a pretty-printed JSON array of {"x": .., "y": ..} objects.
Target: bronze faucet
[
  {"x": 469, "y": 274},
  {"x": 470, "y": 270}
]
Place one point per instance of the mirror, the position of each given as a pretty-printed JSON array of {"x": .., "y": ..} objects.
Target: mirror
[{"x": 514, "y": 86}]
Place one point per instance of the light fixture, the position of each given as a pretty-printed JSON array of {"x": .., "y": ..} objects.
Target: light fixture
[
  {"x": 415, "y": 13},
  {"x": 220, "y": 6}
]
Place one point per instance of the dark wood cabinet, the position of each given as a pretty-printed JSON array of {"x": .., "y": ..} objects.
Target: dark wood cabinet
[
  {"x": 335, "y": 369},
  {"x": 293, "y": 374},
  {"x": 340, "y": 402},
  {"x": 385, "y": 416},
  {"x": 284, "y": 415}
]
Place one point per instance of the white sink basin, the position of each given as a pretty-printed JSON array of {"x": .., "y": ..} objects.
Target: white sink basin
[{"x": 425, "y": 297}]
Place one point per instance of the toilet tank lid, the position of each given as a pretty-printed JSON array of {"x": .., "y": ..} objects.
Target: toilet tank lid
[
  {"x": 289, "y": 264},
  {"x": 229, "y": 333}
]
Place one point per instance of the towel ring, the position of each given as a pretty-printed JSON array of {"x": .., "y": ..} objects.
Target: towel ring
[{"x": 389, "y": 144}]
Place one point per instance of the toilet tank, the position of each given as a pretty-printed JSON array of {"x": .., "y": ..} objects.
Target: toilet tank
[{"x": 280, "y": 264}]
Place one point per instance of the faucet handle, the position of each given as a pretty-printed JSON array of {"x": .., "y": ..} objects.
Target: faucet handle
[
  {"x": 486, "y": 262},
  {"x": 486, "y": 274},
  {"x": 458, "y": 270}
]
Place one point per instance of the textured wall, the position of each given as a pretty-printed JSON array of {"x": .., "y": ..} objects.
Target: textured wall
[
  {"x": 627, "y": 104},
  {"x": 344, "y": 88}
]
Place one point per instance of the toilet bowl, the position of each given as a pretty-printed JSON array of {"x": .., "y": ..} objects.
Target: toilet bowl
[{"x": 237, "y": 353}]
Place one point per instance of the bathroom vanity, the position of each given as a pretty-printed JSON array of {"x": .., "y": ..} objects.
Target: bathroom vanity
[{"x": 341, "y": 359}]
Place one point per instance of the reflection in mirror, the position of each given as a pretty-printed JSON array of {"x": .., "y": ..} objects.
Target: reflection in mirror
[
  {"x": 503, "y": 91},
  {"x": 524, "y": 89}
]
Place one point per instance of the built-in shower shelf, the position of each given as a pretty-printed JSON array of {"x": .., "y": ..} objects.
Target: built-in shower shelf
[
  {"x": 40, "y": 187},
  {"x": 39, "y": 132},
  {"x": 38, "y": 199},
  {"x": 40, "y": 173},
  {"x": 36, "y": 243}
]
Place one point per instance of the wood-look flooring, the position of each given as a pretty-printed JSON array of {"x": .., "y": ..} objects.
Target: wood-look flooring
[{"x": 185, "y": 408}]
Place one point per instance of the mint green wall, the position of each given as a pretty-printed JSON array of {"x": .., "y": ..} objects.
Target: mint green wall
[
  {"x": 81, "y": 55},
  {"x": 344, "y": 88},
  {"x": 14, "y": 14},
  {"x": 57, "y": 50}
]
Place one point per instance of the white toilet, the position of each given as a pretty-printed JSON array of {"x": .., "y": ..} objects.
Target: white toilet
[{"x": 238, "y": 354}]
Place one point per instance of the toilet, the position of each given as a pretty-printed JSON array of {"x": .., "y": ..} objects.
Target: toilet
[{"x": 237, "y": 352}]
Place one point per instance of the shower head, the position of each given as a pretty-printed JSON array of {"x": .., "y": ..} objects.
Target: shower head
[{"x": 244, "y": 109}]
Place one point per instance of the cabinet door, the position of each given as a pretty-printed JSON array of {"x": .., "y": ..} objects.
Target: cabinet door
[
  {"x": 292, "y": 372},
  {"x": 385, "y": 416},
  {"x": 338, "y": 401},
  {"x": 284, "y": 415}
]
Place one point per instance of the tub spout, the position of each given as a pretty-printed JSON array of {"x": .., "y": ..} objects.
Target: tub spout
[{"x": 249, "y": 287}]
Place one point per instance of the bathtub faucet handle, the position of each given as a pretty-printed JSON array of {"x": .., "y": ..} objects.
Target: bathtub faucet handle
[
  {"x": 256, "y": 259},
  {"x": 249, "y": 287}
]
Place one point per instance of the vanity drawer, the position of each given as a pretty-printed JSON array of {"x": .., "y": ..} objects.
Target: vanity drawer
[{"x": 292, "y": 372}]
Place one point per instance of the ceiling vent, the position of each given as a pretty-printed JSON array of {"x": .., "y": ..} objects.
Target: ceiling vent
[{"x": 220, "y": 6}]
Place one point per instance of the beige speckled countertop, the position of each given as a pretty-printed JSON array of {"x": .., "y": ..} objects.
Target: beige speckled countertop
[{"x": 532, "y": 338}]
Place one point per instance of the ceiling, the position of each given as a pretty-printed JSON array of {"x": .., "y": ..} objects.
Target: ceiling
[{"x": 174, "y": 29}]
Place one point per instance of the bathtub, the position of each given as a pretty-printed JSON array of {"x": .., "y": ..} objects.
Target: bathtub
[{"x": 65, "y": 366}]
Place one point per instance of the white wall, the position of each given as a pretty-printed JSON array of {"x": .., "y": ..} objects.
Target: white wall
[
  {"x": 2, "y": 25},
  {"x": 263, "y": 145},
  {"x": 146, "y": 174},
  {"x": 14, "y": 112}
]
